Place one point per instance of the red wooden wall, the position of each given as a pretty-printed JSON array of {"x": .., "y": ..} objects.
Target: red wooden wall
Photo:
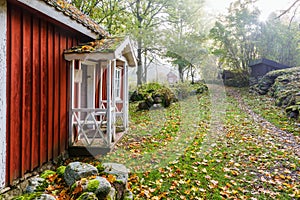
[{"x": 37, "y": 91}]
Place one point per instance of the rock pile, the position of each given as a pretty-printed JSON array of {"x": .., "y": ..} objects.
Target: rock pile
[
  {"x": 284, "y": 87},
  {"x": 153, "y": 96},
  {"x": 84, "y": 181}
]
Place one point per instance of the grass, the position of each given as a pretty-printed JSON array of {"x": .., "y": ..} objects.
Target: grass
[
  {"x": 177, "y": 153},
  {"x": 265, "y": 106},
  {"x": 197, "y": 150}
]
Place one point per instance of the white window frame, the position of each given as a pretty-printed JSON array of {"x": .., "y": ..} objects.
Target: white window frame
[{"x": 118, "y": 83}]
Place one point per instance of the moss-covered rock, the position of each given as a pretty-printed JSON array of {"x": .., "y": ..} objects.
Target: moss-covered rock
[
  {"x": 30, "y": 196},
  {"x": 60, "y": 171},
  {"x": 77, "y": 170},
  {"x": 284, "y": 75},
  {"x": 284, "y": 87},
  {"x": 100, "y": 186},
  {"x": 151, "y": 94},
  {"x": 47, "y": 173},
  {"x": 87, "y": 196},
  {"x": 100, "y": 168},
  {"x": 36, "y": 184}
]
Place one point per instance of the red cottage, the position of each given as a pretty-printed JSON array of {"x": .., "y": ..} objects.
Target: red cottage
[{"x": 63, "y": 85}]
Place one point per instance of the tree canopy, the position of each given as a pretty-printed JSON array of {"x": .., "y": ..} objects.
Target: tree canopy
[
  {"x": 176, "y": 30},
  {"x": 239, "y": 37}
]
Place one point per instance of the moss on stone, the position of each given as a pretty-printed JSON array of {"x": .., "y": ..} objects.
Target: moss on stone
[
  {"x": 100, "y": 168},
  {"x": 47, "y": 173},
  {"x": 60, "y": 171},
  {"x": 87, "y": 196},
  {"x": 93, "y": 185},
  {"x": 30, "y": 196}
]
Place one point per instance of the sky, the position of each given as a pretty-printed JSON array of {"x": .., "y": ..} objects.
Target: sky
[{"x": 266, "y": 6}]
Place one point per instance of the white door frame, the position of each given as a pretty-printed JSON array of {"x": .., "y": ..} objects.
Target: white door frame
[{"x": 91, "y": 81}]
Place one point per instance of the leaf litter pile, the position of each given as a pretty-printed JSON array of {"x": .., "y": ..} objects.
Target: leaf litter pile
[{"x": 185, "y": 152}]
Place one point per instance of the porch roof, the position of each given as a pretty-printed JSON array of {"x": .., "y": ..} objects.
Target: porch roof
[{"x": 105, "y": 49}]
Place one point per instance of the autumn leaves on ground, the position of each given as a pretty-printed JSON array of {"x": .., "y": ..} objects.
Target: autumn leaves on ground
[{"x": 212, "y": 146}]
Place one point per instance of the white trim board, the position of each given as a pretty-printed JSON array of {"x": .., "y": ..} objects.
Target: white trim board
[{"x": 3, "y": 25}]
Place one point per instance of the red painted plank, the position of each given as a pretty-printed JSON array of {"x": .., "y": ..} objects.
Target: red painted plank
[
  {"x": 50, "y": 61},
  {"x": 15, "y": 90},
  {"x": 104, "y": 80},
  {"x": 38, "y": 91},
  {"x": 63, "y": 94},
  {"x": 26, "y": 93},
  {"x": 56, "y": 58},
  {"x": 43, "y": 92},
  {"x": 8, "y": 94},
  {"x": 35, "y": 149}
]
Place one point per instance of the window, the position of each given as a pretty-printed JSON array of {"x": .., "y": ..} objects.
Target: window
[{"x": 118, "y": 83}]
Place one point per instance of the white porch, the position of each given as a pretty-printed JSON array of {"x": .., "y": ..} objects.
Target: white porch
[{"x": 99, "y": 94}]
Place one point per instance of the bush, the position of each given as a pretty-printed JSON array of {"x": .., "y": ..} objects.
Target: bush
[{"x": 152, "y": 94}]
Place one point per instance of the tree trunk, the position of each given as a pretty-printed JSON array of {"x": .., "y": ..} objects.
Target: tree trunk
[
  {"x": 145, "y": 69},
  {"x": 139, "y": 72},
  {"x": 180, "y": 71}
]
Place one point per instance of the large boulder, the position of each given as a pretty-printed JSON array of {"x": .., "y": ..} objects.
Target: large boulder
[
  {"x": 121, "y": 173},
  {"x": 77, "y": 170},
  {"x": 119, "y": 170},
  {"x": 284, "y": 87},
  {"x": 264, "y": 85},
  {"x": 98, "y": 185}
]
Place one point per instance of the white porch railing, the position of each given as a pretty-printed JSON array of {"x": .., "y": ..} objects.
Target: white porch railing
[{"x": 91, "y": 126}]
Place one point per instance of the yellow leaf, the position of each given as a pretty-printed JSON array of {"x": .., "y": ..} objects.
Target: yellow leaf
[{"x": 234, "y": 172}]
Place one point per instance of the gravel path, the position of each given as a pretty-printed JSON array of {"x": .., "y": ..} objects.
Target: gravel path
[{"x": 286, "y": 141}]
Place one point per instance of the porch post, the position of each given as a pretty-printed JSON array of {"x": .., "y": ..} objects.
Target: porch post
[
  {"x": 113, "y": 111},
  {"x": 79, "y": 91},
  {"x": 101, "y": 85},
  {"x": 71, "y": 106},
  {"x": 3, "y": 25},
  {"x": 125, "y": 96},
  {"x": 108, "y": 94}
]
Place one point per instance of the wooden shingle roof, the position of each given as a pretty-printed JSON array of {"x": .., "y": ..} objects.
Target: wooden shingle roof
[
  {"x": 75, "y": 14},
  {"x": 105, "y": 45},
  {"x": 67, "y": 14},
  {"x": 107, "y": 49}
]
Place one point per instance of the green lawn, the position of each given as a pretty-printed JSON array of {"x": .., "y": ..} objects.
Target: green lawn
[{"x": 181, "y": 153}]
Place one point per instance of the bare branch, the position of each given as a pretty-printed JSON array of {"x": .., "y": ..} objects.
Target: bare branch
[{"x": 287, "y": 10}]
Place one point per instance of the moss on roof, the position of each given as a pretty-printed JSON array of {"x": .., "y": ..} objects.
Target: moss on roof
[
  {"x": 105, "y": 45},
  {"x": 75, "y": 14}
]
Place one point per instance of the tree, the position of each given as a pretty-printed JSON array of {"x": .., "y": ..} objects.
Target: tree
[
  {"x": 146, "y": 23},
  {"x": 112, "y": 14},
  {"x": 279, "y": 41},
  {"x": 235, "y": 36},
  {"x": 184, "y": 35}
]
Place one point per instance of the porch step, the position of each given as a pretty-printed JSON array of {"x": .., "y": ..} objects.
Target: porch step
[{"x": 79, "y": 151}]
